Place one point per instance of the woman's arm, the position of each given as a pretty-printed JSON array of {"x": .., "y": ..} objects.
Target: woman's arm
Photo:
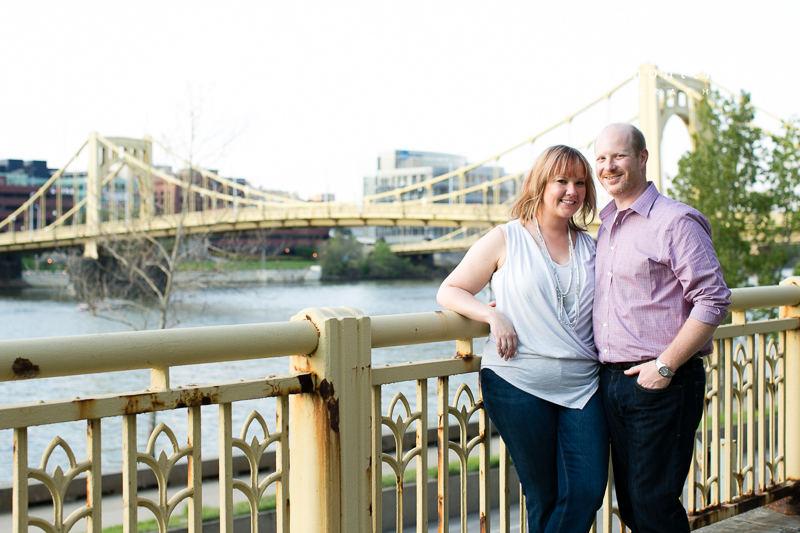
[{"x": 458, "y": 290}]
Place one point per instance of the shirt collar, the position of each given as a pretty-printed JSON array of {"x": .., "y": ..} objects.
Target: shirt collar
[
  {"x": 641, "y": 205},
  {"x": 645, "y": 202},
  {"x": 607, "y": 214}
]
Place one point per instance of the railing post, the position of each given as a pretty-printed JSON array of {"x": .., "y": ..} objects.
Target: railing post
[
  {"x": 792, "y": 445},
  {"x": 330, "y": 431}
]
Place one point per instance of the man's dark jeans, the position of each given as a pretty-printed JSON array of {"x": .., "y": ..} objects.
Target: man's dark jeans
[
  {"x": 560, "y": 454},
  {"x": 652, "y": 438}
]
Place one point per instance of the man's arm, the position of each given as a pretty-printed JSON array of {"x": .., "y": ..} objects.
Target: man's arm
[
  {"x": 692, "y": 336},
  {"x": 697, "y": 268}
]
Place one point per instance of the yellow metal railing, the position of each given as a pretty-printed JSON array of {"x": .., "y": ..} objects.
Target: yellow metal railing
[{"x": 746, "y": 454}]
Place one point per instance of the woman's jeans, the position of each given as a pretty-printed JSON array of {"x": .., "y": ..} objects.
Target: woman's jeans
[{"x": 560, "y": 454}]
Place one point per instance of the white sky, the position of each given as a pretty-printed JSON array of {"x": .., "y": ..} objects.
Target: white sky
[{"x": 302, "y": 96}]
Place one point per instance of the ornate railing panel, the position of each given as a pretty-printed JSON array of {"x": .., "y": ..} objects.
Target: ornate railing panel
[
  {"x": 747, "y": 454},
  {"x": 93, "y": 409}
]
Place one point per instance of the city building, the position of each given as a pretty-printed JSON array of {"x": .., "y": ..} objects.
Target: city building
[
  {"x": 19, "y": 180},
  {"x": 169, "y": 198},
  {"x": 21, "y": 173},
  {"x": 403, "y": 168}
]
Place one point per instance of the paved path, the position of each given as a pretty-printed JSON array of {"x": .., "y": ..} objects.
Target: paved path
[{"x": 761, "y": 520}]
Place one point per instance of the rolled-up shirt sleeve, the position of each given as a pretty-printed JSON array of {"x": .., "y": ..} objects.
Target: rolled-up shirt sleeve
[{"x": 697, "y": 268}]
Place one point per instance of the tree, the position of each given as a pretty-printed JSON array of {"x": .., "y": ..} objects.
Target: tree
[
  {"x": 340, "y": 256},
  {"x": 135, "y": 280},
  {"x": 383, "y": 263},
  {"x": 784, "y": 186},
  {"x": 729, "y": 178}
]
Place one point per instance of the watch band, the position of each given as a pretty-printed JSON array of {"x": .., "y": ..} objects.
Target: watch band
[{"x": 663, "y": 369}]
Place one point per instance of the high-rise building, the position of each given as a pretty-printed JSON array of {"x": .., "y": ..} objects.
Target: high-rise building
[
  {"x": 24, "y": 173},
  {"x": 403, "y": 168},
  {"x": 19, "y": 180}
]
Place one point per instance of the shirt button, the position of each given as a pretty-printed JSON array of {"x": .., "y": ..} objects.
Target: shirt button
[
  {"x": 606, "y": 298},
  {"x": 609, "y": 272},
  {"x": 605, "y": 351},
  {"x": 605, "y": 325},
  {"x": 612, "y": 247}
]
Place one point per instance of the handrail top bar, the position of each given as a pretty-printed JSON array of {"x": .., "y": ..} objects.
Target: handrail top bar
[
  {"x": 420, "y": 328},
  {"x": 134, "y": 350},
  {"x": 109, "y": 352},
  {"x": 764, "y": 297}
]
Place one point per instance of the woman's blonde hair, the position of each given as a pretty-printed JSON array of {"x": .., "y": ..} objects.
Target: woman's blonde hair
[{"x": 555, "y": 161}]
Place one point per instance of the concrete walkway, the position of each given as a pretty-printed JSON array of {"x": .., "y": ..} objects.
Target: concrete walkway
[{"x": 761, "y": 520}]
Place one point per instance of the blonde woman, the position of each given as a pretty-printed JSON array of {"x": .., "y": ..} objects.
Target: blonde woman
[{"x": 539, "y": 371}]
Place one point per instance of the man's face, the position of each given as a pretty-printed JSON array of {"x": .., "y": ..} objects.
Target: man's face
[{"x": 618, "y": 169}]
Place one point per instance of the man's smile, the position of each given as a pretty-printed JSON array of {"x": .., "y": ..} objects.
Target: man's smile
[{"x": 612, "y": 178}]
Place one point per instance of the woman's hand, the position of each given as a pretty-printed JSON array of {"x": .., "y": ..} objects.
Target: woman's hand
[{"x": 504, "y": 335}]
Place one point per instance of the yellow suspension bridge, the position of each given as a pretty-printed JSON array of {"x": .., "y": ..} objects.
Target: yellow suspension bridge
[{"x": 211, "y": 203}]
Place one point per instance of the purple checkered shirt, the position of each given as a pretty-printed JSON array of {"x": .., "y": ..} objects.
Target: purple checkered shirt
[{"x": 655, "y": 267}]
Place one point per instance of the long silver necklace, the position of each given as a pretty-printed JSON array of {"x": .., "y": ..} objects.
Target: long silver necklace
[{"x": 561, "y": 295}]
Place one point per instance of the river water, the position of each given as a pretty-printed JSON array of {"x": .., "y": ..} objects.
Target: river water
[{"x": 34, "y": 313}]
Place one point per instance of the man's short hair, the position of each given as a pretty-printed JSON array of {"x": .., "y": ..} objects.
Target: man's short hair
[{"x": 637, "y": 140}]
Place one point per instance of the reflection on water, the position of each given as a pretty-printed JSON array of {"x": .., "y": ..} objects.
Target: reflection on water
[{"x": 40, "y": 313}]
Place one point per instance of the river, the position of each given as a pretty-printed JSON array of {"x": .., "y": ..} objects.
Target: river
[{"x": 33, "y": 313}]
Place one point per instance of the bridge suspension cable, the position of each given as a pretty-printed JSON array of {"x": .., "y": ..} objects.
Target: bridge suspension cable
[
  {"x": 50, "y": 219},
  {"x": 396, "y": 193}
]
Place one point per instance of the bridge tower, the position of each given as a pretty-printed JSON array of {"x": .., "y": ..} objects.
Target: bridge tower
[
  {"x": 106, "y": 163},
  {"x": 662, "y": 95}
]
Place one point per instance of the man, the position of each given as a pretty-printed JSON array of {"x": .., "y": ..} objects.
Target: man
[{"x": 659, "y": 297}]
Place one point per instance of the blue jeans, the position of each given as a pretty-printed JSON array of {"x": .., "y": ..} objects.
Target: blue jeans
[
  {"x": 652, "y": 438},
  {"x": 560, "y": 454}
]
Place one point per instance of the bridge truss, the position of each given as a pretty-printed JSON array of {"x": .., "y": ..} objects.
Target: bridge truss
[{"x": 126, "y": 193}]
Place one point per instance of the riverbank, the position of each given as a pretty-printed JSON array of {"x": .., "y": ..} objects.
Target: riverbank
[
  {"x": 61, "y": 280},
  {"x": 237, "y": 277}
]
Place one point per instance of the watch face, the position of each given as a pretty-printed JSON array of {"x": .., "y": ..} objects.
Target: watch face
[{"x": 664, "y": 371}]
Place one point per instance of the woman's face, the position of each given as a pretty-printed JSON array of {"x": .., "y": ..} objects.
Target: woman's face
[{"x": 564, "y": 195}]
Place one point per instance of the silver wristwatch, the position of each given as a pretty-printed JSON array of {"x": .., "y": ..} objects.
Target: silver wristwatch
[{"x": 663, "y": 369}]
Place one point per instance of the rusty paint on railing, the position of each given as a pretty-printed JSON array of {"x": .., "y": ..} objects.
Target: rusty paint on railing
[
  {"x": 109, "y": 352},
  {"x": 335, "y": 397}
]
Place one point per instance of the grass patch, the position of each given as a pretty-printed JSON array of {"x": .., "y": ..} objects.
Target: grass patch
[
  {"x": 209, "y": 514},
  {"x": 268, "y": 502},
  {"x": 410, "y": 476},
  {"x": 735, "y": 417},
  {"x": 229, "y": 266},
  {"x": 29, "y": 263}
]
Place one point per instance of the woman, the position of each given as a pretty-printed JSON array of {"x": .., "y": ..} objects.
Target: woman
[{"x": 539, "y": 371}]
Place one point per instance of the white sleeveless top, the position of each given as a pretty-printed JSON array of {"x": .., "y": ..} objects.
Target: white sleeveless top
[{"x": 553, "y": 362}]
